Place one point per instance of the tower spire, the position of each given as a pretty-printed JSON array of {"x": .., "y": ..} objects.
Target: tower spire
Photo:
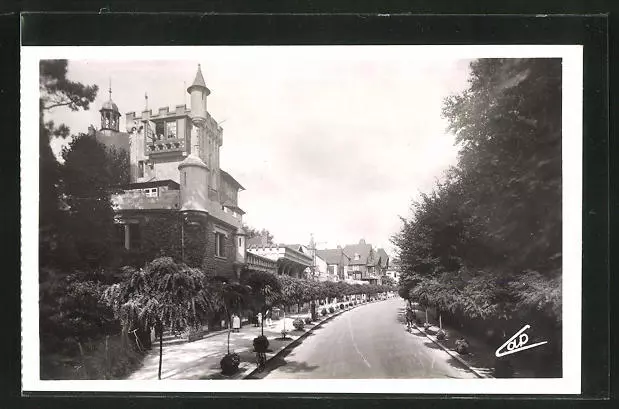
[
  {"x": 110, "y": 90},
  {"x": 145, "y": 101}
]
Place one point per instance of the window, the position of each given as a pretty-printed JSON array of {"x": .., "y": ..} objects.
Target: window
[
  {"x": 184, "y": 178},
  {"x": 170, "y": 129},
  {"x": 135, "y": 236},
  {"x": 240, "y": 242},
  {"x": 331, "y": 269},
  {"x": 159, "y": 130},
  {"x": 220, "y": 242},
  {"x": 357, "y": 256},
  {"x": 151, "y": 192},
  {"x": 141, "y": 169},
  {"x": 129, "y": 235}
]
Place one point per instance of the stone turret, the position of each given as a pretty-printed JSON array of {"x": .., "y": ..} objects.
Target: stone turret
[
  {"x": 198, "y": 92},
  {"x": 193, "y": 175}
]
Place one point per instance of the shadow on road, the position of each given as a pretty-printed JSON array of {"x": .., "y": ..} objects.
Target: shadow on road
[{"x": 280, "y": 362}]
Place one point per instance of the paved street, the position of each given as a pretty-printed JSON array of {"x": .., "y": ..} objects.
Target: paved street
[{"x": 370, "y": 341}]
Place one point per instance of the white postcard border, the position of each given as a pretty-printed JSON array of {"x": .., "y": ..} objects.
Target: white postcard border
[{"x": 570, "y": 383}]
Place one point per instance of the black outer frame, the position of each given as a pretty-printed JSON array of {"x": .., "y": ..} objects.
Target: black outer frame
[{"x": 186, "y": 29}]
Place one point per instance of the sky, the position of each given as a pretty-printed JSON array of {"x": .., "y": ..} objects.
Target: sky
[{"x": 330, "y": 141}]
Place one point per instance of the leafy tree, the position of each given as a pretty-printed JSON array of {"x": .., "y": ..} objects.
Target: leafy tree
[
  {"x": 56, "y": 91},
  {"x": 70, "y": 312},
  {"x": 388, "y": 281},
  {"x": 232, "y": 296},
  {"x": 253, "y": 233},
  {"x": 508, "y": 125},
  {"x": 88, "y": 173},
  {"x": 485, "y": 244},
  {"x": 265, "y": 290},
  {"x": 163, "y": 295}
]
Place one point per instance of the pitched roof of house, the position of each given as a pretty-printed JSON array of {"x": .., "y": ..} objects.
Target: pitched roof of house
[
  {"x": 362, "y": 249},
  {"x": 384, "y": 257},
  {"x": 333, "y": 256},
  {"x": 231, "y": 179}
]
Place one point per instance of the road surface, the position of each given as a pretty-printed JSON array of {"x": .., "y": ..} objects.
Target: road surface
[{"x": 369, "y": 341}]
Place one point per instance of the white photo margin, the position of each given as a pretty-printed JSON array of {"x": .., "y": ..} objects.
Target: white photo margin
[{"x": 570, "y": 383}]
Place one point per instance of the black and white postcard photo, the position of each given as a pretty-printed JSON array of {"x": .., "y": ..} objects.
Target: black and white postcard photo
[{"x": 307, "y": 219}]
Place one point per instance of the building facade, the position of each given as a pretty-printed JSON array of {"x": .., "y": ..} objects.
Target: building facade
[
  {"x": 179, "y": 201},
  {"x": 366, "y": 262},
  {"x": 337, "y": 262}
]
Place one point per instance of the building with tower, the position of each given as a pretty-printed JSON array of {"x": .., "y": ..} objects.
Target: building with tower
[{"x": 179, "y": 201}]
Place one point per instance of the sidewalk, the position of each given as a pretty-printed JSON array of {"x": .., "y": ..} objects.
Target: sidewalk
[
  {"x": 480, "y": 359},
  {"x": 200, "y": 359}
]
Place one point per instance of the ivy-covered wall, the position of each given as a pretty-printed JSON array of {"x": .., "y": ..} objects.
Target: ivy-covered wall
[
  {"x": 160, "y": 234},
  {"x": 212, "y": 264}
]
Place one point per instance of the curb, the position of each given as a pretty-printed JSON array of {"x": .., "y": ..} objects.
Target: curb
[
  {"x": 297, "y": 341},
  {"x": 452, "y": 354}
]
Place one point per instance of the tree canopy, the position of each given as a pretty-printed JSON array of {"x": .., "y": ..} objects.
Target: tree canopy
[
  {"x": 486, "y": 242},
  {"x": 56, "y": 90},
  {"x": 253, "y": 233}
]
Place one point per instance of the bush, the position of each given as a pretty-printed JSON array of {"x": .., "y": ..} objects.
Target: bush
[
  {"x": 308, "y": 320},
  {"x": 298, "y": 324},
  {"x": 323, "y": 312},
  {"x": 462, "y": 346},
  {"x": 230, "y": 364},
  {"x": 115, "y": 363},
  {"x": 441, "y": 335},
  {"x": 341, "y": 306},
  {"x": 284, "y": 332},
  {"x": 331, "y": 310},
  {"x": 261, "y": 343}
]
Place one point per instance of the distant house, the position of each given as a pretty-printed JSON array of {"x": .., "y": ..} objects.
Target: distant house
[
  {"x": 337, "y": 262},
  {"x": 319, "y": 265},
  {"x": 366, "y": 263}
]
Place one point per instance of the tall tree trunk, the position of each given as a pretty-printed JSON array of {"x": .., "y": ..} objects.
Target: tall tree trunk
[
  {"x": 160, "y": 349},
  {"x": 230, "y": 324},
  {"x": 313, "y": 310}
]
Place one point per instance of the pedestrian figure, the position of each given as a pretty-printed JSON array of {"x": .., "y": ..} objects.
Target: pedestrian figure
[
  {"x": 236, "y": 323},
  {"x": 268, "y": 318},
  {"x": 259, "y": 319},
  {"x": 409, "y": 318}
]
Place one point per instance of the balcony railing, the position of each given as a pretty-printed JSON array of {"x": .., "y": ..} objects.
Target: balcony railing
[
  {"x": 170, "y": 145},
  {"x": 256, "y": 262},
  {"x": 137, "y": 200}
]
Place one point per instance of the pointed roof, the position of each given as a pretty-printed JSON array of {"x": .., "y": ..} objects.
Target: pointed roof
[
  {"x": 198, "y": 82},
  {"x": 192, "y": 160},
  {"x": 362, "y": 249},
  {"x": 109, "y": 105},
  {"x": 334, "y": 256},
  {"x": 384, "y": 257}
]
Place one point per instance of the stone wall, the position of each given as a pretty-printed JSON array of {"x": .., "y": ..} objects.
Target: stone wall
[
  {"x": 212, "y": 264},
  {"x": 160, "y": 233}
]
